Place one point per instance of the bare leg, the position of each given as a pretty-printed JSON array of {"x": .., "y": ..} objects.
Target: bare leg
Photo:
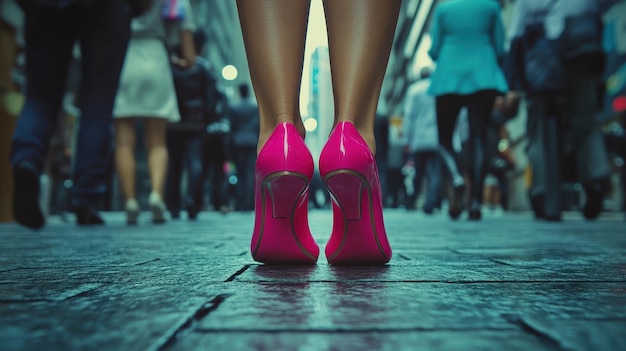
[
  {"x": 274, "y": 33},
  {"x": 360, "y": 36},
  {"x": 125, "y": 140},
  {"x": 154, "y": 133}
]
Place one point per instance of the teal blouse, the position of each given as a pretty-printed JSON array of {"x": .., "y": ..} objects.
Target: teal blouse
[{"x": 467, "y": 41}]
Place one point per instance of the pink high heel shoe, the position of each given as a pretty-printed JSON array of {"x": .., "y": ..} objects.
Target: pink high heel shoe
[
  {"x": 349, "y": 170},
  {"x": 283, "y": 172}
]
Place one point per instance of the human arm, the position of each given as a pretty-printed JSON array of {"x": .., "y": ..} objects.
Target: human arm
[{"x": 435, "y": 34}]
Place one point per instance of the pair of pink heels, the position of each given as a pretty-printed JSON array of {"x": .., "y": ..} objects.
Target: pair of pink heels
[{"x": 283, "y": 172}]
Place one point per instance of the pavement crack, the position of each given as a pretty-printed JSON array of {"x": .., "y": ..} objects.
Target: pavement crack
[
  {"x": 146, "y": 262},
  {"x": 238, "y": 273},
  {"x": 404, "y": 257},
  {"x": 495, "y": 260},
  {"x": 527, "y": 327},
  {"x": 191, "y": 323}
]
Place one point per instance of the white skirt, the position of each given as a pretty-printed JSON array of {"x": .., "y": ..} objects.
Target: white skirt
[{"x": 146, "y": 87}]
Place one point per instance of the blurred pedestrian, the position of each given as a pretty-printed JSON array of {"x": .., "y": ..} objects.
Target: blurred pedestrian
[
  {"x": 422, "y": 142},
  {"x": 244, "y": 121},
  {"x": 196, "y": 95},
  {"x": 147, "y": 94},
  {"x": 562, "y": 119},
  {"x": 51, "y": 30},
  {"x": 218, "y": 165},
  {"x": 467, "y": 43}
]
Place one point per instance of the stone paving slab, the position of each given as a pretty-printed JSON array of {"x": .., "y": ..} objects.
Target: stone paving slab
[{"x": 507, "y": 282}]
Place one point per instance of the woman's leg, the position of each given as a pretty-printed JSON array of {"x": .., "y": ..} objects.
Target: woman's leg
[
  {"x": 274, "y": 33},
  {"x": 176, "y": 142},
  {"x": 154, "y": 133},
  {"x": 125, "y": 140},
  {"x": 360, "y": 36},
  {"x": 479, "y": 109},
  {"x": 448, "y": 109}
]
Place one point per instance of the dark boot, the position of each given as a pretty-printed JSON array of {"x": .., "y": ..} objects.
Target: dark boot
[{"x": 26, "y": 208}]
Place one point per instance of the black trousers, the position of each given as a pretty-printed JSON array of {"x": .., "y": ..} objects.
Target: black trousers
[
  {"x": 186, "y": 152},
  {"x": 565, "y": 138},
  {"x": 479, "y": 107}
]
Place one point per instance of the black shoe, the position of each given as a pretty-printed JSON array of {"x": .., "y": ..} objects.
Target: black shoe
[
  {"x": 87, "y": 215},
  {"x": 538, "y": 204},
  {"x": 192, "y": 213},
  {"x": 593, "y": 206},
  {"x": 26, "y": 208},
  {"x": 192, "y": 209},
  {"x": 456, "y": 204},
  {"x": 428, "y": 210},
  {"x": 474, "y": 212}
]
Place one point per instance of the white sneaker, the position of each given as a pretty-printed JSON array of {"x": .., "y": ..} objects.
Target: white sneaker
[
  {"x": 157, "y": 207},
  {"x": 132, "y": 211}
]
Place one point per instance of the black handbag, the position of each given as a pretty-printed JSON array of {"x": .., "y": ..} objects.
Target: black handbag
[
  {"x": 582, "y": 35},
  {"x": 543, "y": 66}
]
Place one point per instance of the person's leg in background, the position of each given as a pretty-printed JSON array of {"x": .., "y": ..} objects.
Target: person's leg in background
[
  {"x": 412, "y": 194},
  {"x": 126, "y": 166},
  {"x": 433, "y": 181},
  {"x": 536, "y": 151},
  {"x": 244, "y": 162},
  {"x": 176, "y": 142},
  {"x": 584, "y": 130},
  {"x": 104, "y": 34},
  {"x": 220, "y": 198},
  {"x": 8, "y": 114},
  {"x": 154, "y": 132},
  {"x": 448, "y": 109},
  {"x": 194, "y": 159},
  {"x": 50, "y": 36},
  {"x": 479, "y": 108}
]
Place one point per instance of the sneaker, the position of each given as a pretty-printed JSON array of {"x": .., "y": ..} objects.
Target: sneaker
[
  {"x": 132, "y": 211},
  {"x": 157, "y": 207}
]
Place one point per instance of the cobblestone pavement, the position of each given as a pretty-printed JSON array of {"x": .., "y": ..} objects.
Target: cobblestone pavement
[{"x": 505, "y": 283}]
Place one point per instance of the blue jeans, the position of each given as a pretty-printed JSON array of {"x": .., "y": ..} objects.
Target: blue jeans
[
  {"x": 427, "y": 163},
  {"x": 102, "y": 29}
]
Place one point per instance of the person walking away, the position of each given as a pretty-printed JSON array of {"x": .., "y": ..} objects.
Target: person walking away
[
  {"x": 147, "y": 94},
  {"x": 422, "y": 142},
  {"x": 573, "y": 106},
  {"x": 195, "y": 87},
  {"x": 218, "y": 164},
  {"x": 467, "y": 43},
  {"x": 51, "y": 30},
  {"x": 244, "y": 121}
]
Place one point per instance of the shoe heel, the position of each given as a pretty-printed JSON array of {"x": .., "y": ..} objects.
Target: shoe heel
[
  {"x": 283, "y": 172},
  {"x": 285, "y": 190},
  {"x": 346, "y": 187},
  {"x": 348, "y": 169}
]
